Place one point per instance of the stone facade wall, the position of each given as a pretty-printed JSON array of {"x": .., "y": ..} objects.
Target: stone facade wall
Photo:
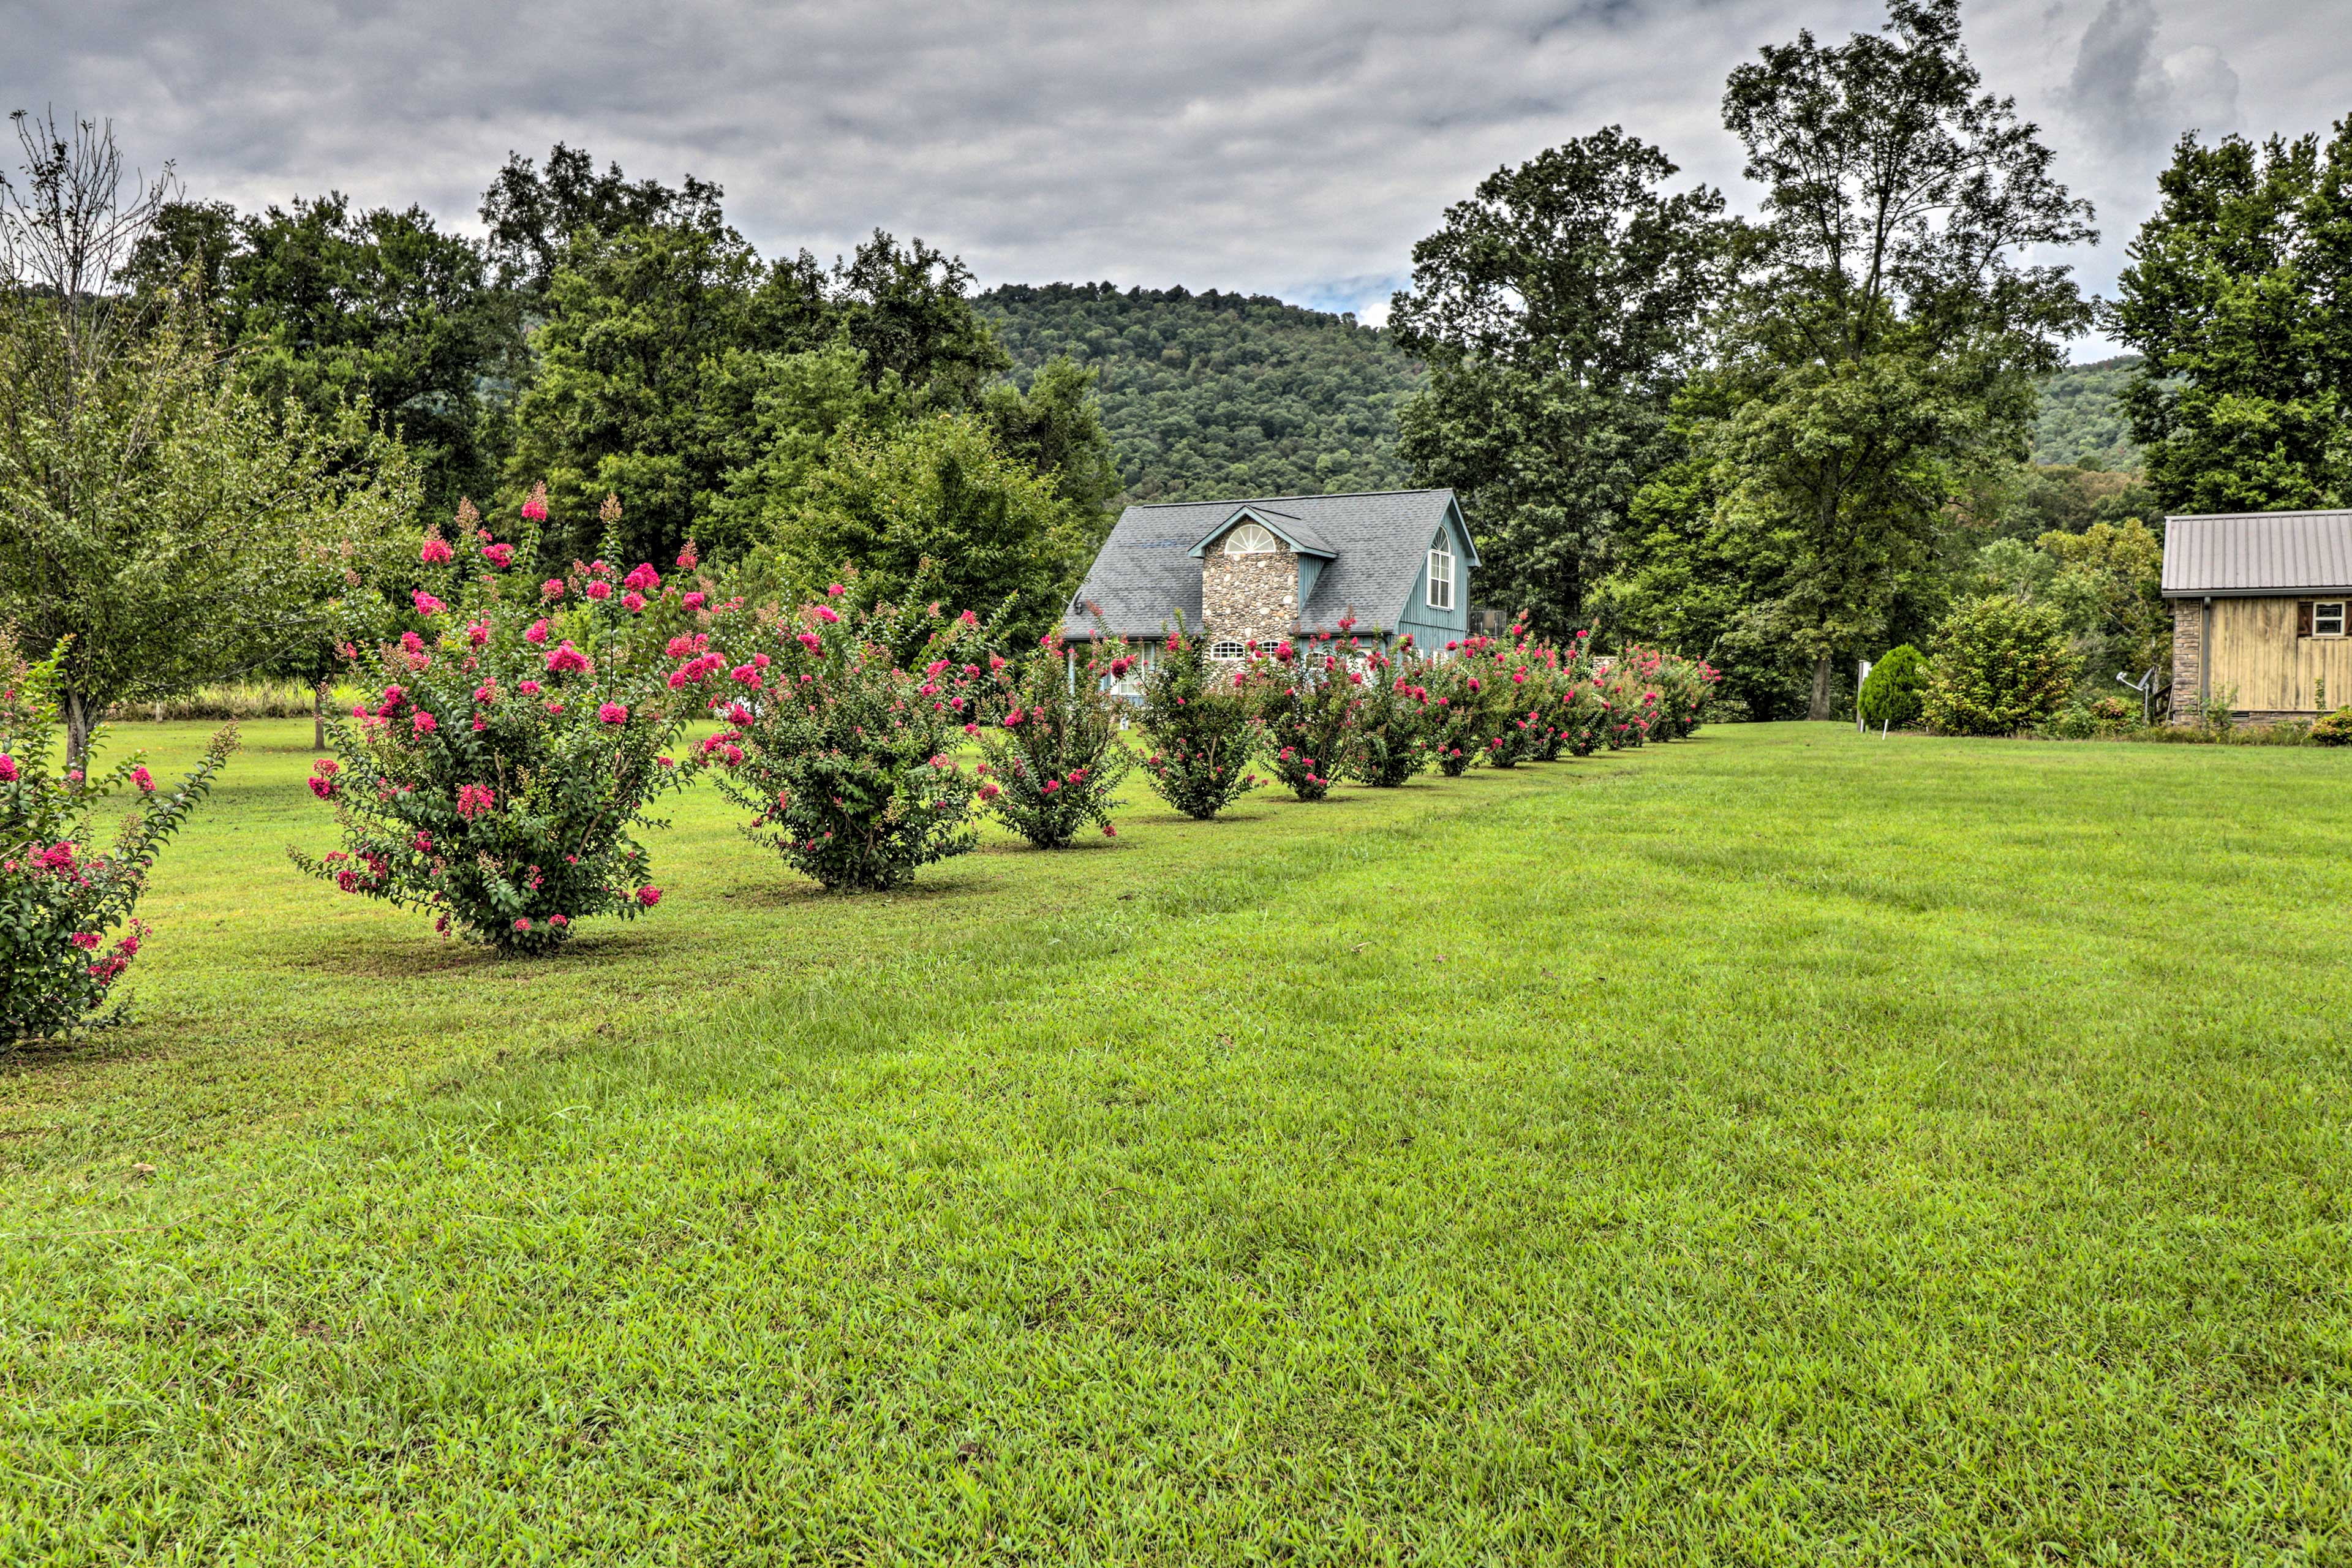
[
  {"x": 1249, "y": 598},
  {"x": 2188, "y": 658}
]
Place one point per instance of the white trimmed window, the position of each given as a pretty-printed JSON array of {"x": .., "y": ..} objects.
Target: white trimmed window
[
  {"x": 1230, "y": 652},
  {"x": 1441, "y": 573},
  {"x": 2328, "y": 618},
  {"x": 1251, "y": 539}
]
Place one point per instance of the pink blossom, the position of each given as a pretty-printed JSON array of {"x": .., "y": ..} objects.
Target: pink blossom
[
  {"x": 434, "y": 553},
  {"x": 426, "y": 605},
  {"x": 498, "y": 555},
  {"x": 85, "y": 939},
  {"x": 8, "y": 768},
  {"x": 522, "y": 924},
  {"x": 424, "y": 723},
  {"x": 645, "y": 579},
  {"x": 825, "y": 613},
  {"x": 1108, "y": 831},
  {"x": 566, "y": 658},
  {"x": 528, "y": 687},
  {"x": 693, "y": 601},
  {"x": 411, "y": 643},
  {"x": 478, "y": 634},
  {"x": 145, "y": 780},
  {"x": 632, "y": 601},
  {"x": 599, "y": 590},
  {"x": 558, "y": 921},
  {"x": 536, "y": 632},
  {"x": 811, "y": 641},
  {"x": 612, "y": 713},
  {"x": 988, "y": 792},
  {"x": 552, "y": 588},
  {"x": 834, "y": 591},
  {"x": 648, "y": 895},
  {"x": 473, "y": 800},
  {"x": 535, "y": 509}
]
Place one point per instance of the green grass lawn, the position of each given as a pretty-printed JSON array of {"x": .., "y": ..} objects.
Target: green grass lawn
[{"x": 1776, "y": 1147}]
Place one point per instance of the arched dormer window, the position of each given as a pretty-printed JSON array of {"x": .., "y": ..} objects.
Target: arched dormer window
[
  {"x": 1440, "y": 572},
  {"x": 1251, "y": 539}
]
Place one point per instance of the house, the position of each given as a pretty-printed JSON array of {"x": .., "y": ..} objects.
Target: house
[
  {"x": 1394, "y": 563},
  {"x": 2260, "y": 604}
]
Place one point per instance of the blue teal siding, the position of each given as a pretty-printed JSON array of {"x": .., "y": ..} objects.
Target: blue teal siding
[{"x": 1435, "y": 629}]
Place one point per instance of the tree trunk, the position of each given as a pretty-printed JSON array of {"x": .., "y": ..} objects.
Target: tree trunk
[
  {"x": 318, "y": 717},
  {"x": 1821, "y": 703},
  {"x": 77, "y": 728}
]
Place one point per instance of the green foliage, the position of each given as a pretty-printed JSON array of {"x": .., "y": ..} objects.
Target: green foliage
[
  {"x": 1999, "y": 666},
  {"x": 2235, "y": 296},
  {"x": 2039, "y": 499},
  {"x": 60, "y": 894},
  {"x": 1054, "y": 753},
  {"x": 1883, "y": 347},
  {"x": 330, "y": 306},
  {"x": 847, "y": 760},
  {"x": 1204, "y": 734},
  {"x": 938, "y": 494},
  {"x": 2081, "y": 420},
  {"x": 515, "y": 736},
  {"x": 2333, "y": 728},
  {"x": 1556, "y": 309},
  {"x": 1213, "y": 394},
  {"x": 1893, "y": 692}
]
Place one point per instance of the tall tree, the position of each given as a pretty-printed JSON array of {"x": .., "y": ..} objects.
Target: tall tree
[
  {"x": 327, "y": 305},
  {"x": 1883, "y": 348},
  {"x": 157, "y": 522},
  {"x": 2240, "y": 296},
  {"x": 1556, "y": 310},
  {"x": 535, "y": 216}
]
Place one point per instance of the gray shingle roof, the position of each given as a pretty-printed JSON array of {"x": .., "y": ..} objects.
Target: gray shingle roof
[
  {"x": 1379, "y": 541},
  {"x": 2258, "y": 552}
]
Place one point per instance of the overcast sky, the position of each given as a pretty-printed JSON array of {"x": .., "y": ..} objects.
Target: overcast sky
[{"x": 1291, "y": 148}]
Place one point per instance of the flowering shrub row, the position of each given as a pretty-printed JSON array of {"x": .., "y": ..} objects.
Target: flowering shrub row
[
  {"x": 62, "y": 898},
  {"x": 1053, "y": 750},
  {"x": 1202, "y": 725}
]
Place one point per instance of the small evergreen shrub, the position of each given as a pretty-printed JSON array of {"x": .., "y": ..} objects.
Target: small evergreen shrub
[
  {"x": 1203, "y": 732},
  {"x": 1053, "y": 752},
  {"x": 842, "y": 739},
  {"x": 516, "y": 734},
  {"x": 2333, "y": 728},
  {"x": 1310, "y": 701},
  {"x": 1391, "y": 719},
  {"x": 1896, "y": 686},
  {"x": 1999, "y": 666},
  {"x": 60, "y": 896}
]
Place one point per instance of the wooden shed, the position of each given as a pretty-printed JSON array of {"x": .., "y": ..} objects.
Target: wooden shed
[{"x": 2261, "y": 605}]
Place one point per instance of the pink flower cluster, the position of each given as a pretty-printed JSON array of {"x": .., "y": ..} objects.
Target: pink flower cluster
[{"x": 474, "y": 799}]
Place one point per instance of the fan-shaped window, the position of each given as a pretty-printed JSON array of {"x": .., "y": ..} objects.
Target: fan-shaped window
[
  {"x": 1230, "y": 652},
  {"x": 1251, "y": 539}
]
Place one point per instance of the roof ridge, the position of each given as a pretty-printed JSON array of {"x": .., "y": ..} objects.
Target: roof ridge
[
  {"x": 2250, "y": 516},
  {"x": 1311, "y": 495}
]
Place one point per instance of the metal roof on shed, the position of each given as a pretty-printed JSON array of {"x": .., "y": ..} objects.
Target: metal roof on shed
[{"x": 2257, "y": 552}]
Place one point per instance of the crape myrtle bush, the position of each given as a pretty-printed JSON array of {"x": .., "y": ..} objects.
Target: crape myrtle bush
[
  {"x": 847, "y": 712},
  {"x": 1203, "y": 733},
  {"x": 60, "y": 896},
  {"x": 1309, "y": 698},
  {"x": 1462, "y": 701},
  {"x": 516, "y": 734},
  {"x": 1053, "y": 752},
  {"x": 1998, "y": 665},
  {"x": 1684, "y": 687},
  {"x": 1518, "y": 719},
  {"x": 1392, "y": 719}
]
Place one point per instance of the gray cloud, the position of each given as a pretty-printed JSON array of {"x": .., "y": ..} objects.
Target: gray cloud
[{"x": 1288, "y": 146}]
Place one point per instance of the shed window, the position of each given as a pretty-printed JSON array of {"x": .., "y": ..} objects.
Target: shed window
[
  {"x": 2328, "y": 618},
  {"x": 1441, "y": 573},
  {"x": 1250, "y": 539},
  {"x": 1228, "y": 650}
]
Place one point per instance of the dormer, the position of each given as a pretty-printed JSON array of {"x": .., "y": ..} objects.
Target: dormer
[{"x": 1258, "y": 568}]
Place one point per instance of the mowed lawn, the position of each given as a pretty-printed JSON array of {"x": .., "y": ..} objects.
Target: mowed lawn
[{"x": 1776, "y": 1147}]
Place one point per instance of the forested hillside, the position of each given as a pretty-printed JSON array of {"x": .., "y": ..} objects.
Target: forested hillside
[
  {"x": 1215, "y": 394},
  {"x": 2080, "y": 418}
]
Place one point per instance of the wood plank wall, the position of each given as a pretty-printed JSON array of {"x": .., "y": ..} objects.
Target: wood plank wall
[{"x": 2253, "y": 648}]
